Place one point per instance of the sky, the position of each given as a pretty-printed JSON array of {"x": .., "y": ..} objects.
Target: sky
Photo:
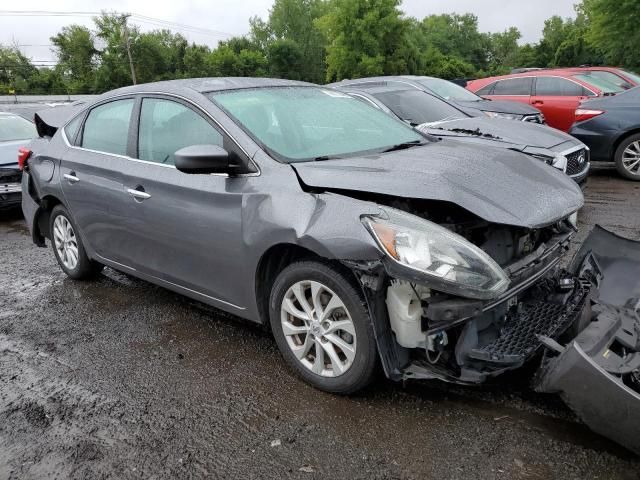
[{"x": 231, "y": 17}]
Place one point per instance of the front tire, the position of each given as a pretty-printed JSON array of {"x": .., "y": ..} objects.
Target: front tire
[
  {"x": 68, "y": 248},
  {"x": 322, "y": 327},
  {"x": 627, "y": 158}
]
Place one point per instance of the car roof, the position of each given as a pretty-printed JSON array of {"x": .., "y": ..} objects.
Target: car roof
[
  {"x": 209, "y": 84},
  {"x": 406, "y": 79},
  {"x": 373, "y": 89}
]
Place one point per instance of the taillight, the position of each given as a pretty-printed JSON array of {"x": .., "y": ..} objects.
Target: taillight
[
  {"x": 23, "y": 156},
  {"x": 583, "y": 114}
]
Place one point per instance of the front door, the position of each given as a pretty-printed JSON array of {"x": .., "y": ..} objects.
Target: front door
[
  {"x": 186, "y": 229},
  {"x": 558, "y": 98}
]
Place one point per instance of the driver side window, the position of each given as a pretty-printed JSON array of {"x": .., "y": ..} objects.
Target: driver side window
[{"x": 167, "y": 126}]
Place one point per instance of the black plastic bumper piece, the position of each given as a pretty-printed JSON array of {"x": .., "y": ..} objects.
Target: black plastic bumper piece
[{"x": 520, "y": 335}]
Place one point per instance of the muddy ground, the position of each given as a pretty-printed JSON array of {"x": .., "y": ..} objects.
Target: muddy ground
[{"x": 120, "y": 379}]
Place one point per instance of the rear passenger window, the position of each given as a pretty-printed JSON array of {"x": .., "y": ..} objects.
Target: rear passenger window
[
  {"x": 486, "y": 90},
  {"x": 167, "y": 126},
  {"x": 107, "y": 127},
  {"x": 513, "y": 86},
  {"x": 558, "y": 87}
]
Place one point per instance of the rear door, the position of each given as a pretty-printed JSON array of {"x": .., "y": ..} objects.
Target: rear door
[
  {"x": 558, "y": 99},
  {"x": 515, "y": 89},
  {"x": 91, "y": 176},
  {"x": 185, "y": 229}
]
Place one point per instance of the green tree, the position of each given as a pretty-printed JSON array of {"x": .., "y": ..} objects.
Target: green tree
[
  {"x": 457, "y": 35},
  {"x": 294, "y": 20},
  {"x": 613, "y": 30},
  {"x": 225, "y": 61},
  {"x": 16, "y": 71},
  {"x": 503, "y": 51},
  {"x": 113, "y": 70},
  {"x": 285, "y": 59},
  {"x": 76, "y": 54},
  {"x": 366, "y": 38},
  {"x": 195, "y": 61}
]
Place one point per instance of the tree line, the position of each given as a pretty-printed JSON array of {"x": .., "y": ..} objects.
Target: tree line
[{"x": 322, "y": 41}]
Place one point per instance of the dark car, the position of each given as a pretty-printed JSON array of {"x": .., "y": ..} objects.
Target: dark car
[
  {"x": 358, "y": 240},
  {"x": 433, "y": 115},
  {"x": 472, "y": 104},
  {"x": 15, "y": 131},
  {"x": 611, "y": 128}
]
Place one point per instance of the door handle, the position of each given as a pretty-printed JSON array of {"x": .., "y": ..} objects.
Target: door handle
[
  {"x": 538, "y": 102},
  {"x": 71, "y": 177},
  {"x": 138, "y": 194}
]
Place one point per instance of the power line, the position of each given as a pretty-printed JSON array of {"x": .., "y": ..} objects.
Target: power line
[{"x": 141, "y": 18}]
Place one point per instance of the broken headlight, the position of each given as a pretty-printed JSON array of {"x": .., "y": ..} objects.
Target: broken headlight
[{"x": 449, "y": 262}]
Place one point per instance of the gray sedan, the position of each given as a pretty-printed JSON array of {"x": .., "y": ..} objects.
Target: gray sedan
[{"x": 355, "y": 238}]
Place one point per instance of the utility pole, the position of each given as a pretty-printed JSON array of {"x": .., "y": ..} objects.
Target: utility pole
[{"x": 127, "y": 42}]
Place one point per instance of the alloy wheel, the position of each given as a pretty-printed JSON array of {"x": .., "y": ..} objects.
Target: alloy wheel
[
  {"x": 318, "y": 328},
  {"x": 631, "y": 158},
  {"x": 65, "y": 241}
]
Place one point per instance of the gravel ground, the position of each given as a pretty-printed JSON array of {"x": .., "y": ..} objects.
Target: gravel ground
[{"x": 120, "y": 379}]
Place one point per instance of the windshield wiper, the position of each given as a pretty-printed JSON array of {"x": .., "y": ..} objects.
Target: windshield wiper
[
  {"x": 404, "y": 146},
  {"x": 322, "y": 158}
]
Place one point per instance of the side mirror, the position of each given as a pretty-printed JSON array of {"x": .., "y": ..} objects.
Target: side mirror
[{"x": 202, "y": 159}]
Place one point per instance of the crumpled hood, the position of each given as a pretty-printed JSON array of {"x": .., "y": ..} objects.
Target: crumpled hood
[
  {"x": 497, "y": 185},
  {"x": 501, "y": 106},
  {"x": 503, "y": 130}
]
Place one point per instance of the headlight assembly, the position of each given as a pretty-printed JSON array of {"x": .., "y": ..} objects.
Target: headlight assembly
[
  {"x": 447, "y": 261},
  {"x": 509, "y": 116}
]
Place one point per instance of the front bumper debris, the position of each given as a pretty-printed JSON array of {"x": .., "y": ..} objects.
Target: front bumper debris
[
  {"x": 10, "y": 188},
  {"x": 598, "y": 373}
]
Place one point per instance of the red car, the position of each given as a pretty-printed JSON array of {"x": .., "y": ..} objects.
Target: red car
[{"x": 556, "y": 93}]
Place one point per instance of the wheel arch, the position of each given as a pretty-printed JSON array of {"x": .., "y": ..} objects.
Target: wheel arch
[
  {"x": 271, "y": 263},
  {"x": 43, "y": 215},
  {"x": 621, "y": 138}
]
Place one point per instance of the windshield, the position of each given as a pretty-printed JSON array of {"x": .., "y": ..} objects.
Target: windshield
[
  {"x": 449, "y": 90},
  {"x": 306, "y": 123},
  {"x": 418, "y": 107},
  {"x": 633, "y": 76},
  {"x": 599, "y": 83},
  {"x": 609, "y": 77},
  {"x": 14, "y": 127}
]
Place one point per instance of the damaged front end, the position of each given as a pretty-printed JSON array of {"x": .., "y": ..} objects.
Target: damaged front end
[
  {"x": 597, "y": 373},
  {"x": 428, "y": 332}
]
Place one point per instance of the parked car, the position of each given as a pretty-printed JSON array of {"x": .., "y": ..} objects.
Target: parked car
[
  {"x": 557, "y": 93},
  {"x": 470, "y": 103},
  {"x": 357, "y": 239},
  {"x": 433, "y": 115},
  {"x": 14, "y": 132},
  {"x": 618, "y": 76},
  {"x": 611, "y": 128}
]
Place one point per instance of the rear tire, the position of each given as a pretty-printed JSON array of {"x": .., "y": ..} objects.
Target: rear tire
[
  {"x": 329, "y": 339},
  {"x": 68, "y": 248},
  {"x": 627, "y": 158}
]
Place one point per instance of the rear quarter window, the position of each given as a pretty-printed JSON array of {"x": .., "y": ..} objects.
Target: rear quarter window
[{"x": 71, "y": 130}]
